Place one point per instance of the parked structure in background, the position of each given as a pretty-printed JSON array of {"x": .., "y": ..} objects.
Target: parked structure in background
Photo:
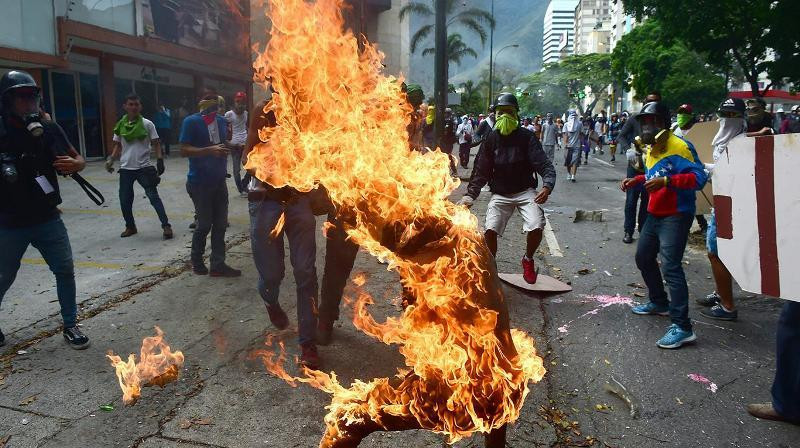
[
  {"x": 590, "y": 16},
  {"x": 89, "y": 55},
  {"x": 559, "y": 29}
]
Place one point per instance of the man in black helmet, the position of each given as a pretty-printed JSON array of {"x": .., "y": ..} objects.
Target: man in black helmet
[
  {"x": 508, "y": 161},
  {"x": 33, "y": 152}
]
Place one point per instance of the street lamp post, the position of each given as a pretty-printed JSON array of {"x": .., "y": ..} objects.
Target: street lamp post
[
  {"x": 491, "y": 50},
  {"x": 491, "y": 69}
]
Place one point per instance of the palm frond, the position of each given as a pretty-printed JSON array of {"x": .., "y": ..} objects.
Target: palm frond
[
  {"x": 420, "y": 8},
  {"x": 479, "y": 15},
  {"x": 419, "y": 36},
  {"x": 428, "y": 51},
  {"x": 474, "y": 26}
]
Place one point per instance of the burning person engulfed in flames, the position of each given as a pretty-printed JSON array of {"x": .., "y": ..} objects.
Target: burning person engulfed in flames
[
  {"x": 157, "y": 366},
  {"x": 342, "y": 124}
]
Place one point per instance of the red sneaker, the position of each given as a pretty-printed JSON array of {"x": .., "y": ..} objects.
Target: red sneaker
[
  {"x": 309, "y": 356},
  {"x": 529, "y": 270}
]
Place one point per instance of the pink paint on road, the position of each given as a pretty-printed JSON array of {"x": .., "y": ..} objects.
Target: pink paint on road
[
  {"x": 697, "y": 378},
  {"x": 606, "y": 300}
]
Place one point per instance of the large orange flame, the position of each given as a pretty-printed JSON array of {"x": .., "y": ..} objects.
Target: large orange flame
[
  {"x": 157, "y": 366},
  {"x": 342, "y": 124}
]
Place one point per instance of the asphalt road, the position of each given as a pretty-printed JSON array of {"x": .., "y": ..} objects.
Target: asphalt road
[{"x": 50, "y": 396}]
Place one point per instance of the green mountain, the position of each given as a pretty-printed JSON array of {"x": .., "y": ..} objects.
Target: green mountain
[{"x": 518, "y": 22}]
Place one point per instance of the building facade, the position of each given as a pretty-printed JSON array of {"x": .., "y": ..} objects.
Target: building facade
[
  {"x": 592, "y": 16},
  {"x": 89, "y": 54},
  {"x": 558, "y": 34}
]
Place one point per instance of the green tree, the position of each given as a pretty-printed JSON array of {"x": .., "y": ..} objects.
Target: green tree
[
  {"x": 456, "y": 49},
  {"x": 747, "y": 31},
  {"x": 562, "y": 83},
  {"x": 646, "y": 61},
  {"x": 472, "y": 19},
  {"x": 471, "y": 99}
]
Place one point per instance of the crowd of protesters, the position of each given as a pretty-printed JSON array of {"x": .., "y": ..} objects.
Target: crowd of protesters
[{"x": 663, "y": 174}]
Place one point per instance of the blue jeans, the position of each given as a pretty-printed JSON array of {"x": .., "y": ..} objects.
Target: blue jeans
[
  {"x": 711, "y": 235},
  {"x": 52, "y": 241},
  {"x": 211, "y": 212},
  {"x": 786, "y": 387},
  {"x": 148, "y": 179},
  {"x": 632, "y": 197},
  {"x": 268, "y": 255},
  {"x": 666, "y": 236}
]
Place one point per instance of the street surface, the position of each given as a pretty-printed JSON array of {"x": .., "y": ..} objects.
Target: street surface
[{"x": 50, "y": 396}]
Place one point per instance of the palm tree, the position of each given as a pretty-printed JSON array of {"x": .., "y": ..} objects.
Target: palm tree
[
  {"x": 471, "y": 98},
  {"x": 472, "y": 19},
  {"x": 456, "y": 49}
]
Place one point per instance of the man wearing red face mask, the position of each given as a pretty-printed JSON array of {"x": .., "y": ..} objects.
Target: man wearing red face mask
[{"x": 201, "y": 140}]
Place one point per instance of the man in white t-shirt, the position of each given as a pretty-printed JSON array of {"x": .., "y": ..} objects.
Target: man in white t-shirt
[
  {"x": 134, "y": 137},
  {"x": 237, "y": 130}
]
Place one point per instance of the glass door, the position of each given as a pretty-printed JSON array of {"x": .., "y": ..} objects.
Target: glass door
[
  {"x": 76, "y": 107},
  {"x": 90, "y": 119},
  {"x": 65, "y": 106}
]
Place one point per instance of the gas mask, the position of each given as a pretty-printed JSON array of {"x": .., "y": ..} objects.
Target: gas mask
[
  {"x": 33, "y": 123},
  {"x": 653, "y": 134}
]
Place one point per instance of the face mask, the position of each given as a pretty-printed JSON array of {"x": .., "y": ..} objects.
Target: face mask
[
  {"x": 33, "y": 124},
  {"x": 506, "y": 124},
  {"x": 683, "y": 120},
  {"x": 754, "y": 115},
  {"x": 728, "y": 129}
]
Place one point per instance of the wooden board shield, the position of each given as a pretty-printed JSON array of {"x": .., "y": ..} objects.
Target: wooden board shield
[
  {"x": 701, "y": 135},
  {"x": 544, "y": 283}
]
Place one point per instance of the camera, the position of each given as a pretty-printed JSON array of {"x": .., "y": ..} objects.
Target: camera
[{"x": 8, "y": 167}]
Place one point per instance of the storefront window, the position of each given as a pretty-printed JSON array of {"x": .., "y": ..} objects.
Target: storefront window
[
  {"x": 90, "y": 110},
  {"x": 212, "y": 25},
  {"x": 116, "y": 15},
  {"x": 19, "y": 15}
]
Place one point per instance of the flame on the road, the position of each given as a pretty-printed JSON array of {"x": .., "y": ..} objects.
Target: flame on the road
[
  {"x": 157, "y": 366},
  {"x": 342, "y": 124}
]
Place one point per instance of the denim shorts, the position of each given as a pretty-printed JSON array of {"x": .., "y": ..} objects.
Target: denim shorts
[{"x": 711, "y": 235}]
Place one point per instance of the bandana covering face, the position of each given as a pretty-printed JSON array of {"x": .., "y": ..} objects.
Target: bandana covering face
[
  {"x": 208, "y": 110},
  {"x": 572, "y": 121},
  {"x": 506, "y": 123},
  {"x": 683, "y": 120},
  {"x": 431, "y": 115},
  {"x": 728, "y": 129}
]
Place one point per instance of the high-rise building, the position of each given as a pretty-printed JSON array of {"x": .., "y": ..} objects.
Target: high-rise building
[
  {"x": 592, "y": 26},
  {"x": 621, "y": 23},
  {"x": 559, "y": 22}
]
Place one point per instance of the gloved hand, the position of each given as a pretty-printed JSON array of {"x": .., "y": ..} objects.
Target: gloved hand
[
  {"x": 110, "y": 164},
  {"x": 160, "y": 166},
  {"x": 466, "y": 201}
]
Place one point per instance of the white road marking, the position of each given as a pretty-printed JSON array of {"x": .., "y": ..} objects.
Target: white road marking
[
  {"x": 603, "y": 162},
  {"x": 550, "y": 238}
]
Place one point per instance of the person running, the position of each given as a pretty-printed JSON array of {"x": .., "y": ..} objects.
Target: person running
[
  {"x": 134, "y": 137},
  {"x": 268, "y": 206},
  {"x": 673, "y": 175},
  {"x": 573, "y": 133},
  {"x": 509, "y": 161},
  {"x": 731, "y": 124}
]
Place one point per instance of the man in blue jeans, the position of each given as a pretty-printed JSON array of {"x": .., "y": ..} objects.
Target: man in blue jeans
[
  {"x": 134, "y": 137},
  {"x": 785, "y": 404},
  {"x": 267, "y": 204},
  {"x": 33, "y": 153},
  {"x": 673, "y": 174},
  {"x": 201, "y": 140}
]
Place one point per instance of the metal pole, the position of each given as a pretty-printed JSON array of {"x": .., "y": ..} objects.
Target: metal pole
[
  {"x": 491, "y": 60},
  {"x": 440, "y": 69}
]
